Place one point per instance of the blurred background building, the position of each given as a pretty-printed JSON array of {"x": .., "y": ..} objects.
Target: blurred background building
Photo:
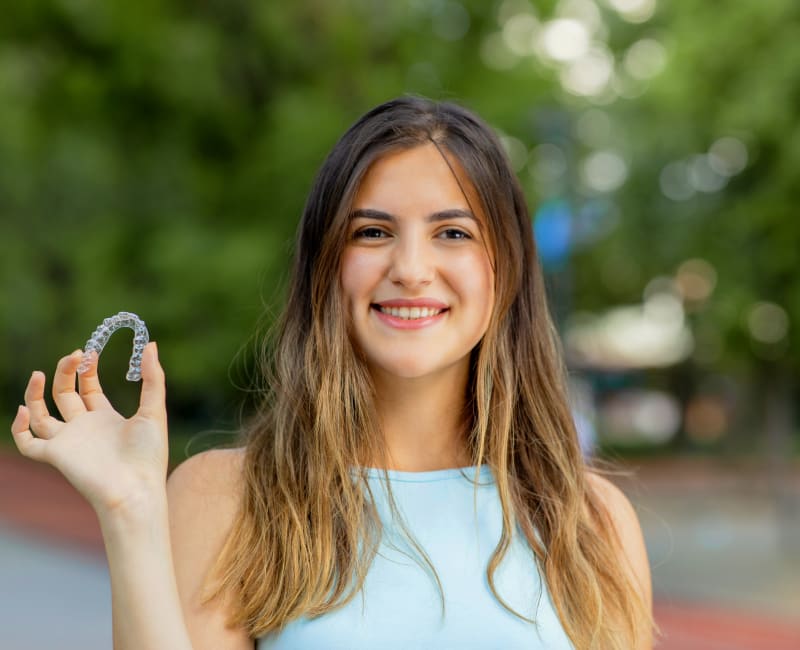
[{"x": 155, "y": 157}]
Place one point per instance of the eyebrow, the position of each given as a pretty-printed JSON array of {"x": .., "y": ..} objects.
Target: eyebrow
[{"x": 442, "y": 215}]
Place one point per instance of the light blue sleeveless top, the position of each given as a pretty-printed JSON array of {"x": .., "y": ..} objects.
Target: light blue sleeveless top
[{"x": 400, "y": 607}]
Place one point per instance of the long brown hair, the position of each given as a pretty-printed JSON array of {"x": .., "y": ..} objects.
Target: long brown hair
[{"x": 307, "y": 529}]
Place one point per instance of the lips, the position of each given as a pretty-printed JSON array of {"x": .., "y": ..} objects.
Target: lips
[{"x": 410, "y": 309}]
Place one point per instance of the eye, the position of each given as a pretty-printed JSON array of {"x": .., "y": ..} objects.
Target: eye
[
  {"x": 370, "y": 232},
  {"x": 454, "y": 233}
]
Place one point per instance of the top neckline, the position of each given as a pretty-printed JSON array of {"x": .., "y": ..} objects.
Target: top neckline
[{"x": 431, "y": 476}]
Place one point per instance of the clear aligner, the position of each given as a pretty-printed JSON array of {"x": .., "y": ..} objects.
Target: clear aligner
[{"x": 98, "y": 340}]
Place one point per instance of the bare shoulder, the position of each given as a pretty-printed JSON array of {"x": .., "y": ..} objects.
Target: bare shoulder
[
  {"x": 614, "y": 500},
  {"x": 626, "y": 524},
  {"x": 212, "y": 474},
  {"x": 204, "y": 493}
]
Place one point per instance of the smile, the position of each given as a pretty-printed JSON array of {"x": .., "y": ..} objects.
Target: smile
[
  {"x": 408, "y": 318},
  {"x": 410, "y": 313}
]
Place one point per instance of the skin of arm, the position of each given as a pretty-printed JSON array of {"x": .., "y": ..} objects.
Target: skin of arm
[
  {"x": 146, "y": 611},
  {"x": 119, "y": 465},
  {"x": 629, "y": 532},
  {"x": 203, "y": 494}
]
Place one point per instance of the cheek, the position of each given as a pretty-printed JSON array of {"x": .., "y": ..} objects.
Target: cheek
[
  {"x": 359, "y": 271},
  {"x": 475, "y": 278},
  {"x": 486, "y": 290},
  {"x": 476, "y": 286}
]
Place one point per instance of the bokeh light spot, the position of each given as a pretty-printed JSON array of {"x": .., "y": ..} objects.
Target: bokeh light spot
[
  {"x": 768, "y": 322},
  {"x": 674, "y": 181},
  {"x": 706, "y": 419},
  {"x": 637, "y": 414},
  {"x": 516, "y": 151},
  {"x": 451, "y": 21},
  {"x": 496, "y": 55},
  {"x": 548, "y": 163},
  {"x": 520, "y": 33},
  {"x": 728, "y": 156},
  {"x": 565, "y": 39},
  {"x": 510, "y": 8},
  {"x": 590, "y": 74},
  {"x": 645, "y": 59},
  {"x": 604, "y": 171},
  {"x": 593, "y": 128},
  {"x": 695, "y": 279},
  {"x": 585, "y": 11},
  {"x": 634, "y": 11},
  {"x": 702, "y": 175}
]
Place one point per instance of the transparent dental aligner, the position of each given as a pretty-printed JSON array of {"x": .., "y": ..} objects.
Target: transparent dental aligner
[{"x": 98, "y": 340}]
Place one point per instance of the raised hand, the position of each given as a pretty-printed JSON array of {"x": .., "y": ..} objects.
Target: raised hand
[{"x": 113, "y": 461}]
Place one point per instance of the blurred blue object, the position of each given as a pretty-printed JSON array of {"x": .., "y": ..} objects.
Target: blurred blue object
[{"x": 552, "y": 229}]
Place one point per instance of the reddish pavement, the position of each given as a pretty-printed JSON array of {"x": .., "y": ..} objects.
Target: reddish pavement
[{"x": 36, "y": 500}]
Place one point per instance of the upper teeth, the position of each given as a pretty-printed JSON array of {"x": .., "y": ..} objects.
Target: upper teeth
[{"x": 410, "y": 312}]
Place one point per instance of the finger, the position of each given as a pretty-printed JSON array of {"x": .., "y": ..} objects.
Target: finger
[
  {"x": 41, "y": 422},
  {"x": 89, "y": 386},
  {"x": 152, "y": 403},
  {"x": 26, "y": 442},
  {"x": 69, "y": 403}
]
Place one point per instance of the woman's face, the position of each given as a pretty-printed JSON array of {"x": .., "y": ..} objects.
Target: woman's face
[{"x": 416, "y": 278}]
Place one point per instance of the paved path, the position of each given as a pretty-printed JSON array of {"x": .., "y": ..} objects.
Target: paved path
[
  {"x": 724, "y": 536},
  {"x": 52, "y": 597},
  {"x": 723, "y": 577}
]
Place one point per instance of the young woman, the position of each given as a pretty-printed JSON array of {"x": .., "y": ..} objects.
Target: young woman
[{"x": 413, "y": 478}]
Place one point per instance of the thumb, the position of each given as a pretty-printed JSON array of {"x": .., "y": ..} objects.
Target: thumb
[{"x": 152, "y": 403}]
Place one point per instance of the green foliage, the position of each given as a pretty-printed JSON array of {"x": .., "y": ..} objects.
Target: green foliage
[{"x": 155, "y": 158}]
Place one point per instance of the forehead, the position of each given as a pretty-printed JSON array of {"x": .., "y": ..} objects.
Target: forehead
[{"x": 414, "y": 180}]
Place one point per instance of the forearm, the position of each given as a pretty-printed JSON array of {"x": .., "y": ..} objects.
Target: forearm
[{"x": 145, "y": 604}]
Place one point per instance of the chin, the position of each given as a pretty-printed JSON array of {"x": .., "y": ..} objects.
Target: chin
[
  {"x": 411, "y": 368},
  {"x": 407, "y": 371}
]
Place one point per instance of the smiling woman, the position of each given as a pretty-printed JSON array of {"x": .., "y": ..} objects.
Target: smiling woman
[
  {"x": 415, "y": 245},
  {"x": 412, "y": 478}
]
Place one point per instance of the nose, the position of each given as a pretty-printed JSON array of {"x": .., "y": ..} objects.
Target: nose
[{"x": 412, "y": 263}]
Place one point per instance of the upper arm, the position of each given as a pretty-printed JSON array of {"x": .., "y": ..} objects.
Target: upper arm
[
  {"x": 628, "y": 530},
  {"x": 203, "y": 494}
]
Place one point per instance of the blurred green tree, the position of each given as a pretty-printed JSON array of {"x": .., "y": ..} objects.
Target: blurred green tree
[{"x": 155, "y": 158}]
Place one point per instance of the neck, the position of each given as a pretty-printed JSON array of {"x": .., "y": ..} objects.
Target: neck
[{"x": 423, "y": 421}]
